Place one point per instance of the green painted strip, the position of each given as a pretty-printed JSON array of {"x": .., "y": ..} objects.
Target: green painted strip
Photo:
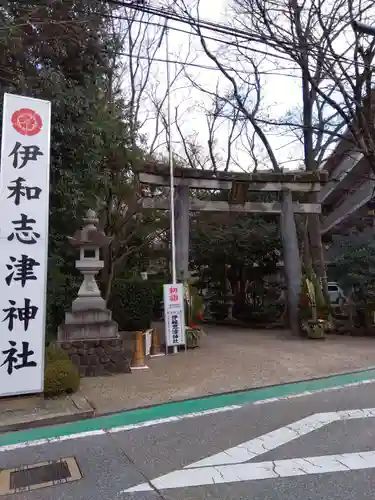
[{"x": 184, "y": 407}]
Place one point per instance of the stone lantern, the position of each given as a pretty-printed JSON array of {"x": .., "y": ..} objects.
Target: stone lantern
[
  {"x": 89, "y": 241},
  {"x": 89, "y": 334}
]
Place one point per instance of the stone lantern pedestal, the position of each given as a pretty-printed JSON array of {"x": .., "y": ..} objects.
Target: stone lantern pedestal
[{"x": 89, "y": 334}]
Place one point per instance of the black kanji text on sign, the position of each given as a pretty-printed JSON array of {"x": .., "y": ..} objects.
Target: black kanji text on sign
[
  {"x": 175, "y": 328},
  {"x": 20, "y": 190},
  {"x": 24, "y": 231},
  {"x": 22, "y": 270},
  {"x": 15, "y": 360},
  {"x": 23, "y": 314},
  {"x": 23, "y": 154}
]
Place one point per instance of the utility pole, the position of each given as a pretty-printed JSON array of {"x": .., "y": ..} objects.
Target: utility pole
[{"x": 171, "y": 167}]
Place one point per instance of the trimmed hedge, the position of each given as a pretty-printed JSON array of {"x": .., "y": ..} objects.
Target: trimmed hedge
[
  {"x": 55, "y": 353},
  {"x": 60, "y": 377},
  {"x": 132, "y": 303}
]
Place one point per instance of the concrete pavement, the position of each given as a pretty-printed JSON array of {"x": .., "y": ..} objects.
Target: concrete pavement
[
  {"x": 317, "y": 447},
  {"x": 19, "y": 414}
]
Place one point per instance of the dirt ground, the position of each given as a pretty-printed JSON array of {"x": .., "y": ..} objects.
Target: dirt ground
[{"x": 229, "y": 359}]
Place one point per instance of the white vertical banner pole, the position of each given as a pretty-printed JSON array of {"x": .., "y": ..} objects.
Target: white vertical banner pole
[
  {"x": 24, "y": 202},
  {"x": 171, "y": 173}
]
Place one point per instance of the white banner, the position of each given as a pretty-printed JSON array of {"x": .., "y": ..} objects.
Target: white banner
[
  {"x": 174, "y": 314},
  {"x": 24, "y": 212}
]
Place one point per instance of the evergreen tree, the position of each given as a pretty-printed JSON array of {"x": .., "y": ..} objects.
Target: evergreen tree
[{"x": 63, "y": 51}]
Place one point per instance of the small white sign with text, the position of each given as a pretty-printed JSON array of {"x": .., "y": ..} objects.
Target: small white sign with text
[{"x": 174, "y": 314}]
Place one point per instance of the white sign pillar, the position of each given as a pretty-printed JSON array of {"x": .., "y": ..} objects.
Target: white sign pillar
[
  {"x": 24, "y": 213},
  {"x": 174, "y": 315}
]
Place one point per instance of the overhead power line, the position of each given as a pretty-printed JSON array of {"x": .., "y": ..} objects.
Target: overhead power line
[
  {"x": 216, "y": 27},
  {"x": 224, "y": 29},
  {"x": 221, "y": 29},
  {"x": 175, "y": 16},
  {"x": 190, "y": 20},
  {"x": 203, "y": 66},
  {"x": 236, "y": 45},
  {"x": 194, "y": 33}
]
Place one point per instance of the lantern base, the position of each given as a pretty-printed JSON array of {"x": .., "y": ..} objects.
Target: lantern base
[
  {"x": 88, "y": 324},
  {"x": 87, "y": 303},
  {"x": 98, "y": 357}
]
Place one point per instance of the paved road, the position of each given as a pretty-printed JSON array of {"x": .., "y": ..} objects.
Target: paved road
[{"x": 313, "y": 447}]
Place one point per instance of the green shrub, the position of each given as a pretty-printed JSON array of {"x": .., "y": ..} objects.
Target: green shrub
[
  {"x": 266, "y": 313},
  {"x": 197, "y": 309},
  {"x": 157, "y": 297},
  {"x": 132, "y": 304},
  {"x": 61, "y": 291},
  {"x": 218, "y": 309},
  {"x": 55, "y": 353},
  {"x": 60, "y": 377}
]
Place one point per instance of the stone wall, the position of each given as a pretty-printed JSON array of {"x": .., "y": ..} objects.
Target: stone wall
[{"x": 98, "y": 357}]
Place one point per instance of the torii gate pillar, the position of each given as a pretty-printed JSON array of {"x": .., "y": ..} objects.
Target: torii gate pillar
[
  {"x": 292, "y": 263},
  {"x": 182, "y": 207}
]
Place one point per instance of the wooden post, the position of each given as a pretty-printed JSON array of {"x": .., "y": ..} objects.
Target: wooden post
[
  {"x": 292, "y": 264},
  {"x": 182, "y": 205},
  {"x": 138, "y": 361},
  {"x": 155, "y": 345}
]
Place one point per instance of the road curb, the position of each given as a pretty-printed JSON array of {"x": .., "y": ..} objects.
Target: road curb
[
  {"x": 48, "y": 421},
  {"x": 82, "y": 409},
  {"x": 235, "y": 392},
  {"x": 60, "y": 420},
  {"x": 144, "y": 413}
]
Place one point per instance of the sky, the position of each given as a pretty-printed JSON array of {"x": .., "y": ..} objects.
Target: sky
[{"x": 279, "y": 95}]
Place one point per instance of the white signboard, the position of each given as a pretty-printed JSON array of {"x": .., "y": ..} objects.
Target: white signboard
[
  {"x": 148, "y": 341},
  {"x": 174, "y": 314},
  {"x": 24, "y": 211}
]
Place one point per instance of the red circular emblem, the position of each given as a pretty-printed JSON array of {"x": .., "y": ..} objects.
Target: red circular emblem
[{"x": 27, "y": 122}]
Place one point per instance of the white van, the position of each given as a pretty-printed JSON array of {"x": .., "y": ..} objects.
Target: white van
[{"x": 336, "y": 294}]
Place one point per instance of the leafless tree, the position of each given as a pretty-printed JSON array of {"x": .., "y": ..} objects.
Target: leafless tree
[
  {"x": 333, "y": 62},
  {"x": 334, "y": 66},
  {"x": 231, "y": 140},
  {"x": 193, "y": 153},
  {"x": 222, "y": 134},
  {"x": 140, "y": 39},
  {"x": 133, "y": 76}
]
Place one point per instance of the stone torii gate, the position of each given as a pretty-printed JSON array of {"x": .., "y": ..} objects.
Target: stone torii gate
[{"x": 238, "y": 185}]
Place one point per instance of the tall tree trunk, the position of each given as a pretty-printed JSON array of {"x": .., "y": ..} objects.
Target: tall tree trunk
[
  {"x": 108, "y": 283},
  {"x": 308, "y": 98},
  {"x": 317, "y": 251},
  {"x": 107, "y": 274}
]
